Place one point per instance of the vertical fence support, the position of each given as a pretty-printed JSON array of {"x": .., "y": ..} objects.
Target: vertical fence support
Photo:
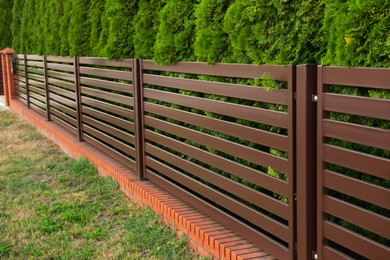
[
  {"x": 138, "y": 118},
  {"x": 3, "y": 58},
  {"x": 46, "y": 88},
  {"x": 8, "y": 78},
  {"x": 78, "y": 97},
  {"x": 26, "y": 80},
  {"x": 306, "y": 90}
]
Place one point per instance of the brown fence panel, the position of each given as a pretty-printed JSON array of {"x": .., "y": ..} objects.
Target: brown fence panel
[
  {"x": 20, "y": 82},
  {"x": 216, "y": 137},
  {"x": 35, "y": 82},
  {"x": 1, "y": 79},
  {"x": 353, "y": 163},
  {"x": 62, "y": 92},
  {"x": 107, "y": 107}
]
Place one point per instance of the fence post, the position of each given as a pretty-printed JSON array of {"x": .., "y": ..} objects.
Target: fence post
[
  {"x": 78, "y": 97},
  {"x": 306, "y": 90},
  {"x": 46, "y": 88},
  {"x": 8, "y": 79},
  {"x": 138, "y": 118},
  {"x": 26, "y": 80}
]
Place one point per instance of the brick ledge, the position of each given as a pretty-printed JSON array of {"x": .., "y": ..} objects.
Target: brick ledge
[{"x": 206, "y": 236}]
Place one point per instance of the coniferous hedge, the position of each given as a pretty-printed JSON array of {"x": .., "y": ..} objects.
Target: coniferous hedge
[
  {"x": 333, "y": 32},
  {"x": 5, "y": 29}
]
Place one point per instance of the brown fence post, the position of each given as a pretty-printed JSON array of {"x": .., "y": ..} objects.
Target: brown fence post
[
  {"x": 26, "y": 79},
  {"x": 5, "y": 74},
  {"x": 46, "y": 88},
  {"x": 78, "y": 97},
  {"x": 8, "y": 78},
  {"x": 138, "y": 118},
  {"x": 306, "y": 89}
]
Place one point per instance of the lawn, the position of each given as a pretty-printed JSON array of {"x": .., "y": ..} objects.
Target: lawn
[{"x": 54, "y": 207}]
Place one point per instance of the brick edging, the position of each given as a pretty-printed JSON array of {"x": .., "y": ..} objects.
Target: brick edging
[{"x": 206, "y": 236}]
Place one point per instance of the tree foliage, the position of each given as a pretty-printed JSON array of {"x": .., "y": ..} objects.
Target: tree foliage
[
  {"x": 176, "y": 33},
  {"x": 6, "y": 7}
]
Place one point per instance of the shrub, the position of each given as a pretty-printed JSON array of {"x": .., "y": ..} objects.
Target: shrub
[
  {"x": 212, "y": 43},
  {"x": 358, "y": 33},
  {"x": 6, "y": 8},
  {"x": 120, "y": 14},
  {"x": 146, "y": 24},
  {"x": 79, "y": 29},
  {"x": 175, "y": 36},
  {"x": 96, "y": 11}
]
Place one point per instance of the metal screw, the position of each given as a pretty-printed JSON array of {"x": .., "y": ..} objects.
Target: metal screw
[
  {"x": 315, "y": 256},
  {"x": 315, "y": 98}
]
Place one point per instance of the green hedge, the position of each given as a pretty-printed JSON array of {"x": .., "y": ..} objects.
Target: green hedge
[
  {"x": 334, "y": 32},
  {"x": 5, "y": 18}
]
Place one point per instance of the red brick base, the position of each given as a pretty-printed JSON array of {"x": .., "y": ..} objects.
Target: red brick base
[{"x": 206, "y": 236}]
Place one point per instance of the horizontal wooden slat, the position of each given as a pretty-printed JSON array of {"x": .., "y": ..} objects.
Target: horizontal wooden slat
[
  {"x": 127, "y": 63},
  {"x": 37, "y": 90},
  {"x": 64, "y": 101},
  {"x": 113, "y": 74},
  {"x": 64, "y": 117},
  {"x": 35, "y": 71},
  {"x": 126, "y": 137},
  {"x": 109, "y": 151},
  {"x": 362, "y": 162},
  {"x": 60, "y": 59},
  {"x": 120, "y": 111},
  {"x": 276, "y": 72},
  {"x": 64, "y": 125},
  {"x": 261, "y": 179},
  {"x": 357, "y": 188},
  {"x": 62, "y": 92},
  {"x": 63, "y": 84},
  {"x": 60, "y": 67},
  {"x": 109, "y": 140},
  {"x": 355, "y": 242},
  {"x": 35, "y": 63},
  {"x": 109, "y": 85},
  {"x": 37, "y": 102},
  {"x": 38, "y": 97},
  {"x": 37, "y": 109},
  {"x": 240, "y": 131},
  {"x": 37, "y": 84},
  {"x": 259, "y": 115},
  {"x": 362, "y": 106},
  {"x": 36, "y": 77},
  {"x": 234, "y": 149},
  {"x": 121, "y": 99},
  {"x": 34, "y": 57},
  {"x": 61, "y": 75},
  {"x": 270, "y": 204},
  {"x": 357, "y": 77},
  {"x": 220, "y": 88},
  {"x": 63, "y": 108},
  {"x": 357, "y": 216},
  {"x": 127, "y": 125},
  {"x": 331, "y": 253},
  {"x": 375, "y": 137},
  {"x": 234, "y": 206}
]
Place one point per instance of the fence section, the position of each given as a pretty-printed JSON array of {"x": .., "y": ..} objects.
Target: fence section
[
  {"x": 238, "y": 142},
  {"x": 20, "y": 80},
  {"x": 353, "y": 163},
  {"x": 107, "y": 106},
  {"x": 230, "y": 144},
  {"x": 1, "y": 78}
]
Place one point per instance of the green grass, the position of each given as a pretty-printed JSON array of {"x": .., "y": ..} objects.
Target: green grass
[{"x": 54, "y": 207}]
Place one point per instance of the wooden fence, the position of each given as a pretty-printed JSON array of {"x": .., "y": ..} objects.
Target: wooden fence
[{"x": 239, "y": 142}]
